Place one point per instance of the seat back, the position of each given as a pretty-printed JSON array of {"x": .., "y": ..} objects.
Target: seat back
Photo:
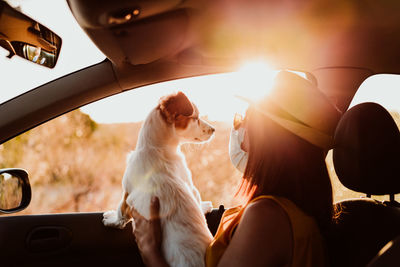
[{"x": 366, "y": 159}]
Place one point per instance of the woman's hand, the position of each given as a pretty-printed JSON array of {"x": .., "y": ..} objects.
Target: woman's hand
[{"x": 148, "y": 234}]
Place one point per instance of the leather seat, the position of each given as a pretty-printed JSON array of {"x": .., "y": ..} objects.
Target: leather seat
[{"x": 366, "y": 159}]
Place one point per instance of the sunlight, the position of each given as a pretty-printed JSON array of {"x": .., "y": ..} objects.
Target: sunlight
[
  {"x": 255, "y": 78},
  {"x": 215, "y": 95}
]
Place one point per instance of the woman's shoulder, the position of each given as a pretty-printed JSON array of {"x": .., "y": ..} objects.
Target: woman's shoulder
[{"x": 265, "y": 230}]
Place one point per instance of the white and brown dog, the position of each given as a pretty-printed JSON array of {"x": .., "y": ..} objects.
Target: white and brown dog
[{"x": 157, "y": 167}]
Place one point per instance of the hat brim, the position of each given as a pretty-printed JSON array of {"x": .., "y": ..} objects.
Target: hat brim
[{"x": 305, "y": 132}]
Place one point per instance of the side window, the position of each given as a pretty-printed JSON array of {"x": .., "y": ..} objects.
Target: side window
[
  {"x": 76, "y": 161},
  {"x": 384, "y": 90}
]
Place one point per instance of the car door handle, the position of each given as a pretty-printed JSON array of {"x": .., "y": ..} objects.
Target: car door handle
[{"x": 48, "y": 238}]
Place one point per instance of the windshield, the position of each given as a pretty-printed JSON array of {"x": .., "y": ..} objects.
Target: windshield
[{"x": 19, "y": 75}]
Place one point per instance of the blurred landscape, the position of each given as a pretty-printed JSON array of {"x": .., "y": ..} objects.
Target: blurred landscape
[
  {"x": 76, "y": 165},
  {"x": 10, "y": 192}
]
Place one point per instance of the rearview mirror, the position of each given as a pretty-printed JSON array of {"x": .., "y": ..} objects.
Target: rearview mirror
[
  {"x": 25, "y": 37},
  {"x": 15, "y": 190}
]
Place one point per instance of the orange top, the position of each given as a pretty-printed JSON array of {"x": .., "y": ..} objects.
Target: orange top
[{"x": 308, "y": 244}]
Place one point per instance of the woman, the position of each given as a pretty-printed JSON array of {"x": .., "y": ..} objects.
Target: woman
[{"x": 281, "y": 147}]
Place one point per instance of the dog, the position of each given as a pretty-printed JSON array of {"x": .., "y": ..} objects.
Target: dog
[{"x": 157, "y": 167}]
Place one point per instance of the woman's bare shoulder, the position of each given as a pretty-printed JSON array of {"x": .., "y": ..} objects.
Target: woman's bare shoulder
[
  {"x": 263, "y": 236},
  {"x": 269, "y": 218}
]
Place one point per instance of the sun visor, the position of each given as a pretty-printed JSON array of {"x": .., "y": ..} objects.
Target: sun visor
[
  {"x": 135, "y": 32},
  {"x": 92, "y": 14}
]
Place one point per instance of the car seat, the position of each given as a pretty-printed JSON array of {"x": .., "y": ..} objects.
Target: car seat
[{"x": 366, "y": 158}]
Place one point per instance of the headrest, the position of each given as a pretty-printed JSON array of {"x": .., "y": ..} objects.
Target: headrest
[{"x": 367, "y": 150}]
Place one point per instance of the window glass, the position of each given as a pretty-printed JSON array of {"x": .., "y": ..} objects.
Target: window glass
[{"x": 76, "y": 161}]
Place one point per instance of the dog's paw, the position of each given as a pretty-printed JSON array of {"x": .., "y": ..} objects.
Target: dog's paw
[
  {"x": 110, "y": 219},
  {"x": 206, "y": 206}
]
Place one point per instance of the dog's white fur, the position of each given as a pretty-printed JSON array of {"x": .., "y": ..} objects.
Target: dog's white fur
[{"x": 157, "y": 167}]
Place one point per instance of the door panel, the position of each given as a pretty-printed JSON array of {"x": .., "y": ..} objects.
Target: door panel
[{"x": 75, "y": 239}]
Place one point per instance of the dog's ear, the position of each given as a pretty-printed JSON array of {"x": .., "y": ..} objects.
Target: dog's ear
[{"x": 172, "y": 106}]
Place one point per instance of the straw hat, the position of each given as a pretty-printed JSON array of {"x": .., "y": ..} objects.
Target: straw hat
[{"x": 299, "y": 106}]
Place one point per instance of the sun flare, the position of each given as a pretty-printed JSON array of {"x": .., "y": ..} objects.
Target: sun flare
[
  {"x": 215, "y": 95},
  {"x": 256, "y": 79}
]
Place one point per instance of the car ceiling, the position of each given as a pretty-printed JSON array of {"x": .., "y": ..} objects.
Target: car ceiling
[{"x": 304, "y": 34}]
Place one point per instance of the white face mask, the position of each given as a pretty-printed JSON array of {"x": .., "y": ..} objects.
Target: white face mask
[{"x": 238, "y": 156}]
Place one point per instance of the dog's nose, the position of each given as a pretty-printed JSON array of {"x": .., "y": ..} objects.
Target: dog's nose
[{"x": 211, "y": 130}]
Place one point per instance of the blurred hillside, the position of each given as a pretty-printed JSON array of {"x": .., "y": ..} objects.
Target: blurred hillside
[{"x": 77, "y": 165}]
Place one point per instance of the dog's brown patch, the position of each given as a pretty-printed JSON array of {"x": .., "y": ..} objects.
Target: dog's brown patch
[
  {"x": 125, "y": 210},
  {"x": 182, "y": 121},
  {"x": 176, "y": 108}
]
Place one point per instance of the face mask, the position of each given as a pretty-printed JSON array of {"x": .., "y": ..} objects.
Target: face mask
[{"x": 236, "y": 153}]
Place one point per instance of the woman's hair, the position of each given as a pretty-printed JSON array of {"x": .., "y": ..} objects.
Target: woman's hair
[{"x": 282, "y": 164}]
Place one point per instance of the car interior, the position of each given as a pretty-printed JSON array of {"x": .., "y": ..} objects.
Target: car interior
[
  {"x": 366, "y": 161},
  {"x": 338, "y": 43}
]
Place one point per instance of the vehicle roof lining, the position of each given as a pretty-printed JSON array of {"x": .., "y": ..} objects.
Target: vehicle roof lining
[{"x": 316, "y": 34}]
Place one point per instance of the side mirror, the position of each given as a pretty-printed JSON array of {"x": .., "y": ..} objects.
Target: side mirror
[
  {"x": 25, "y": 37},
  {"x": 15, "y": 190}
]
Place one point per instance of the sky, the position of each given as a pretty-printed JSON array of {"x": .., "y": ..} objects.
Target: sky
[{"x": 214, "y": 95}]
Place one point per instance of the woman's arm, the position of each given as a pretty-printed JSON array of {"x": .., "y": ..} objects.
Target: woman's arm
[
  {"x": 262, "y": 238},
  {"x": 148, "y": 234}
]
